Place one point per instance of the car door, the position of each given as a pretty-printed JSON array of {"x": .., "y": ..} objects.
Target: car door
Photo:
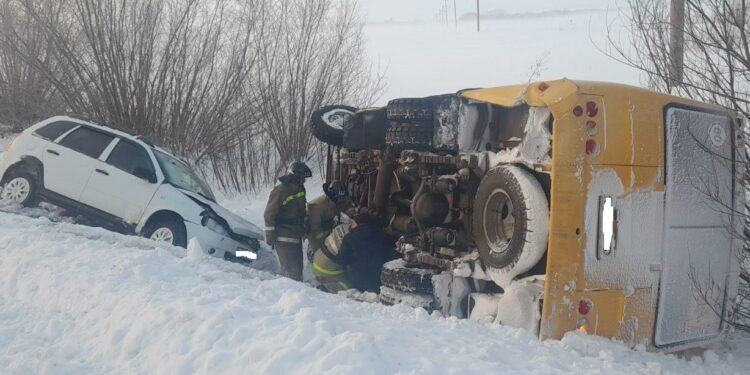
[
  {"x": 69, "y": 163},
  {"x": 123, "y": 182}
]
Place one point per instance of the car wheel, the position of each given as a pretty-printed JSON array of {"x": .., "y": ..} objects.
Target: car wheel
[
  {"x": 21, "y": 188},
  {"x": 170, "y": 231}
]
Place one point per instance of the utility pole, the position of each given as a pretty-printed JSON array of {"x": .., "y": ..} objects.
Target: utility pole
[
  {"x": 477, "y": 15},
  {"x": 455, "y": 14},
  {"x": 676, "y": 41}
]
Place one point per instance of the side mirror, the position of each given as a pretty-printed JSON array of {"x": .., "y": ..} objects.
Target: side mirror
[{"x": 145, "y": 174}]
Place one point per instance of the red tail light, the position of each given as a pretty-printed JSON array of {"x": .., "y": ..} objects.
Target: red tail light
[
  {"x": 578, "y": 111},
  {"x": 591, "y": 109},
  {"x": 584, "y": 306},
  {"x": 592, "y": 148}
]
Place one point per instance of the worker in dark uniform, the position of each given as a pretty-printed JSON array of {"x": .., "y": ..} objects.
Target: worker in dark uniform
[
  {"x": 363, "y": 251},
  {"x": 285, "y": 218}
]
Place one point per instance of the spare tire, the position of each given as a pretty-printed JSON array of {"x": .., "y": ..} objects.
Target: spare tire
[
  {"x": 410, "y": 109},
  {"x": 396, "y": 275},
  {"x": 510, "y": 221},
  {"x": 418, "y": 137},
  {"x": 328, "y": 123}
]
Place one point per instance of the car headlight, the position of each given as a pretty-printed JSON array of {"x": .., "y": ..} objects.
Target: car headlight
[{"x": 214, "y": 226}]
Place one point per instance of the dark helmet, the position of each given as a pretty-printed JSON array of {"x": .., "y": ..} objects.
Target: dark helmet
[
  {"x": 299, "y": 170},
  {"x": 335, "y": 190}
]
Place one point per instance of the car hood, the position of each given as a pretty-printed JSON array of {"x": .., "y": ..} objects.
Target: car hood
[{"x": 235, "y": 222}]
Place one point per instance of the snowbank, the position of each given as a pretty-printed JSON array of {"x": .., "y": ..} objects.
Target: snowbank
[{"x": 82, "y": 300}]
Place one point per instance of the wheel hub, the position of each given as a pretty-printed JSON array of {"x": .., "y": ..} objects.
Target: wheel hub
[
  {"x": 499, "y": 222},
  {"x": 336, "y": 117},
  {"x": 16, "y": 190},
  {"x": 163, "y": 235}
]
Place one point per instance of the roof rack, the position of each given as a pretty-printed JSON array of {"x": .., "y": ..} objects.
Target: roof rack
[{"x": 85, "y": 118}]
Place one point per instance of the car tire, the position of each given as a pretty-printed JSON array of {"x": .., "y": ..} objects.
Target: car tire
[
  {"x": 410, "y": 109},
  {"x": 510, "y": 219},
  {"x": 398, "y": 276},
  {"x": 171, "y": 231},
  {"x": 417, "y": 137},
  {"x": 328, "y": 123},
  {"x": 21, "y": 187}
]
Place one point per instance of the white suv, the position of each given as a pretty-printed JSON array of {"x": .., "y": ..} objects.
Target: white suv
[{"x": 123, "y": 182}]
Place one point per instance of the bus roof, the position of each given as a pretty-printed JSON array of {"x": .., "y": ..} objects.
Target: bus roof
[{"x": 550, "y": 93}]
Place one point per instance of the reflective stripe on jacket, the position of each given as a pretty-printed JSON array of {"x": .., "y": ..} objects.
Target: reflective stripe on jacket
[{"x": 285, "y": 211}]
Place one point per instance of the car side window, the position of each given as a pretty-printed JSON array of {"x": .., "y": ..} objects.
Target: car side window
[
  {"x": 87, "y": 141},
  {"x": 130, "y": 157},
  {"x": 54, "y": 130}
]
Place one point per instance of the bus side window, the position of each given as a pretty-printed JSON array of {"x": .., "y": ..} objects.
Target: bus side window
[{"x": 607, "y": 238}]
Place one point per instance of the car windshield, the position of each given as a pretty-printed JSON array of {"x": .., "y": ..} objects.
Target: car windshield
[{"x": 182, "y": 176}]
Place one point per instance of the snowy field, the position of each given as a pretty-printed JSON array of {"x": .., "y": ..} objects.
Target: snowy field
[
  {"x": 80, "y": 300},
  {"x": 421, "y": 55}
]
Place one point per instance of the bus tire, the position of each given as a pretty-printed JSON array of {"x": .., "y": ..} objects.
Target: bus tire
[
  {"x": 328, "y": 123},
  {"x": 410, "y": 109},
  {"x": 396, "y": 275},
  {"x": 417, "y": 137},
  {"x": 510, "y": 220},
  {"x": 390, "y": 297}
]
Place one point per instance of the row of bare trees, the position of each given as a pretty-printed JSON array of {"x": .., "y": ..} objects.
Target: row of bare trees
[
  {"x": 714, "y": 40},
  {"x": 226, "y": 84}
]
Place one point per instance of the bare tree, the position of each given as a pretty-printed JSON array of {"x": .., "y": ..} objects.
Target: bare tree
[
  {"x": 311, "y": 55},
  {"x": 26, "y": 96},
  {"x": 215, "y": 82}
]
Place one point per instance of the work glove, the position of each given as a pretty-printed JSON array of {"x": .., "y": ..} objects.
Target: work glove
[{"x": 271, "y": 237}]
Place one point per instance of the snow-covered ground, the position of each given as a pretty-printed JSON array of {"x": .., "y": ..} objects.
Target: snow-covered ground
[{"x": 81, "y": 300}]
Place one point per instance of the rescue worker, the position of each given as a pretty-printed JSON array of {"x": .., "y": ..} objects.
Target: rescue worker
[
  {"x": 323, "y": 210},
  {"x": 285, "y": 218},
  {"x": 331, "y": 275},
  {"x": 323, "y": 240},
  {"x": 363, "y": 251}
]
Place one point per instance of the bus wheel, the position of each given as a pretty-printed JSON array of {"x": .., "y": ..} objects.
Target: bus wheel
[
  {"x": 328, "y": 123},
  {"x": 510, "y": 220}
]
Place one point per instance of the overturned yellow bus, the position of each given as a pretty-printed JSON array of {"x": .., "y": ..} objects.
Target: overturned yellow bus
[{"x": 554, "y": 206}]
